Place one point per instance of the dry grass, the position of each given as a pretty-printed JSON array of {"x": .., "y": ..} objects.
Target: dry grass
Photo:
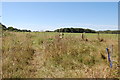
[
  {"x": 45, "y": 55},
  {"x": 17, "y": 52}
]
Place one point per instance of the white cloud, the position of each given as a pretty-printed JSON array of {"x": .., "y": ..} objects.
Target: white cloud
[{"x": 60, "y": 0}]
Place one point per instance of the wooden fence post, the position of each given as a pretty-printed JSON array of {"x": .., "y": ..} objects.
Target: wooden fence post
[
  {"x": 98, "y": 36},
  {"x": 82, "y": 36}
]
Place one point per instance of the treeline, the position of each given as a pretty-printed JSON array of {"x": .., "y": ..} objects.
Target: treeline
[
  {"x": 4, "y": 28},
  {"x": 81, "y": 30},
  {"x": 75, "y": 30},
  {"x": 67, "y": 30},
  {"x": 110, "y": 32}
]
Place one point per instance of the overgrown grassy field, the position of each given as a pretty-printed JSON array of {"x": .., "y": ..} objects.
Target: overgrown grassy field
[{"x": 44, "y": 55}]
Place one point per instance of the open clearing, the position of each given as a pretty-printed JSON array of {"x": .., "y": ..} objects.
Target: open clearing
[{"x": 44, "y": 55}]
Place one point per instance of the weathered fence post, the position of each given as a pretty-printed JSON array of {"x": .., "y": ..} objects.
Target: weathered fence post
[
  {"x": 111, "y": 49},
  {"x": 82, "y": 36},
  {"x": 98, "y": 36}
]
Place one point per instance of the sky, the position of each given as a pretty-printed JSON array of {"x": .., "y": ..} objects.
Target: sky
[
  {"x": 60, "y": 0},
  {"x": 41, "y": 16}
]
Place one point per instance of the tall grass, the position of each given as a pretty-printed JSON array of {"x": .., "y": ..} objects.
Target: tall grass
[
  {"x": 72, "y": 57},
  {"x": 45, "y": 55},
  {"x": 16, "y": 53}
]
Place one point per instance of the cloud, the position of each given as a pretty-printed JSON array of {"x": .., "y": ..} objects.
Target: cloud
[{"x": 60, "y": 0}]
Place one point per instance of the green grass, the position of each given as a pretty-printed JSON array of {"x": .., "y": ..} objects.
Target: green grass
[{"x": 44, "y": 55}]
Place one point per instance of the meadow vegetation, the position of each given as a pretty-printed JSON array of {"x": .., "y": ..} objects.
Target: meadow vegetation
[{"x": 45, "y": 55}]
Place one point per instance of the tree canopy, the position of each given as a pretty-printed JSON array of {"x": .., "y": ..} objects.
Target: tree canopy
[
  {"x": 4, "y": 28},
  {"x": 67, "y": 30},
  {"x": 75, "y": 30}
]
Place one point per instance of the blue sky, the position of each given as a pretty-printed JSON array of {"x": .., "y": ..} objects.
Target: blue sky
[{"x": 38, "y": 16}]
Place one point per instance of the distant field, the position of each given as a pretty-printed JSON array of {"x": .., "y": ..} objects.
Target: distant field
[{"x": 44, "y": 55}]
